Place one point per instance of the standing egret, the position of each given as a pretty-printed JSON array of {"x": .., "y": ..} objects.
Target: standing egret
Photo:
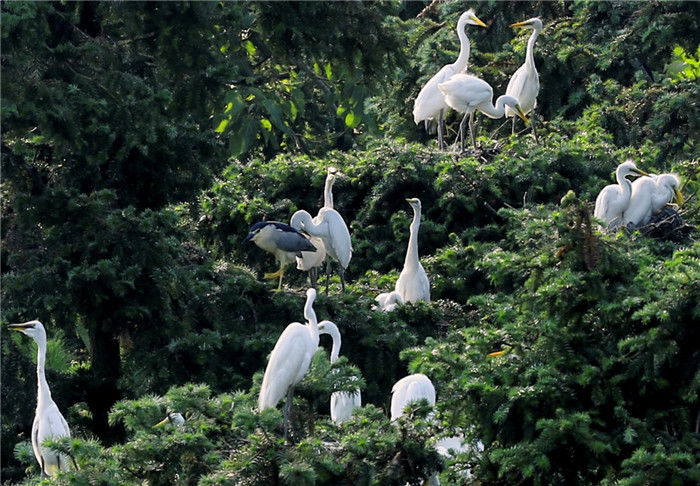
[
  {"x": 388, "y": 301},
  {"x": 524, "y": 85},
  {"x": 48, "y": 421},
  {"x": 413, "y": 284},
  {"x": 331, "y": 228},
  {"x": 290, "y": 360},
  {"x": 430, "y": 102},
  {"x": 649, "y": 195},
  {"x": 614, "y": 199},
  {"x": 282, "y": 241},
  {"x": 342, "y": 402},
  {"x": 310, "y": 261},
  {"x": 466, "y": 94},
  {"x": 409, "y": 389}
]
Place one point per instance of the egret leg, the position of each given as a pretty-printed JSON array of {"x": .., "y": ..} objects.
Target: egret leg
[
  {"x": 440, "y": 133},
  {"x": 461, "y": 131},
  {"x": 287, "y": 410},
  {"x": 328, "y": 274},
  {"x": 279, "y": 286},
  {"x": 471, "y": 129},
  {"x": 512, "y": 127},
  {"x": 342, "y": 279},
  {"x": 533, "y": 122},
  {"x": 313, "y": 276}
]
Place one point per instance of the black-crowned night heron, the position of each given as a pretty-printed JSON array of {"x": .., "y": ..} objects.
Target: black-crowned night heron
[
  {"x": 281, "y": 240},
  {"x": 48, "y": 421}
]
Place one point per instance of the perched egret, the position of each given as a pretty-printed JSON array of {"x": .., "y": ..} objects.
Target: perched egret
[
  {"x": 413, "y": 284},
  {"x": 466, "y": 94},
  {"x": 614, "y": 199},
  {"x": 524, "y": 85},
  {"x": 282, "y": 241},
  {"x": 290, "y": 360},
  {"x": 388, "y": 301},
  {"x": 649, "y": 195},
  {"x": 430, "y": 102},
  {"x": 342, "y": 403},
  {"x": 409, "y": 389},
  {"x": 310, "y": 261},
  {"x": 48, "y": 421},
  {"x": 331, "y": 228},
  {"x": 174, "y": 418}
]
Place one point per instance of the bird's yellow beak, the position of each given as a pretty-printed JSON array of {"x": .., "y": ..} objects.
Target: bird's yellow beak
[
  {"x": 496, "y": 354},
  {"x": 18, "y": 327},
  {"x": 640, "y": 172},
  {"x": 678, "y": 195},
  {"x": 478, "y": 21},
  {"x": 520, "y": 24},
  {"x": 521, "y": 114},
  {"x": 162, "y": 422}
]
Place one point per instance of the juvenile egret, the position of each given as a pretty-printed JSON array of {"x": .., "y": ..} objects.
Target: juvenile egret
[
  {"x": 430, "y": 103},
  {"x": 388, "y": 301},
  {"x": 409, "y": 389},
  {"x": 649, "y": 195},
  {"x": 331, "y": 228},
  {"x": 342, "y": 403},
  {"x": 413, "y": 284},
  {"x": 466, "y": 94},
  {"x": 310, "y": 261},
  {"x": 524, "y": 85},
  {"x": 282, "y": 241},
  {"x": 614, "y": 199},
  {"x": 174, "y": 418},
  {"x": 48, "y": 421},
  {"x": 290, "y": 360}
]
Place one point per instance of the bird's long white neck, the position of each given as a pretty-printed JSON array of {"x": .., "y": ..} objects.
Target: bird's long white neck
[
  {"x": 43, "y": 392},
  {"x": 530, "y": 54},
  {"x": 625, "y": 185},
  {"x": 412, "y": 252},
  {"x": 492, "y": 111},
  {"x": 328, "y": 193},
  {"x": 311, "y": 321},
  {"x": 331, "y": 329},
  {"x": 460, "y": 65}
]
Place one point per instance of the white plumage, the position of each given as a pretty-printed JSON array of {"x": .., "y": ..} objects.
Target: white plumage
[
  {"x": 342, "y": 403},
  {"x": 430, "y": 103},
  {"x": 524, "y": 85},
  {"x": 409, "y": 389},
  {"x": 466, "y": 94},
  {"x": 649, "y": 195},
  {"x": 48, "y": 421},
  {"x": 388, "y": 301},
  {"x": 290, "y": 359},
  {"x": 413, "y": 284},
  {"x": 614, "y": 199}
]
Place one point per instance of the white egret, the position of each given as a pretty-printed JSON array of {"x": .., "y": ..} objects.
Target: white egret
[
  {"x": 331, "y": 228},
  {"x": 614, "y": 199},
  {"x": 342, "y": 403},
  {"x": 649, "y": 195},
  {"x": 466, "y": 94},
  {"x": 413, "y": 284},
  {"x": 310, "y": 261},
  {"x": 174, "y": 418},
  {"x": 524, "y": 85},
  {"x": 281, "y": 240},
  {"x": 430, "y": 102},
  {"x": 290, "y": 360},
  {"x": 388, "y": 301},
  {"x": 409, "y": 389},
  {"x": 48, "y": 421}
]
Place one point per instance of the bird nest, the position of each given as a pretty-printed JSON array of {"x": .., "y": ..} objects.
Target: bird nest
[{"x": 667, "y": 224}]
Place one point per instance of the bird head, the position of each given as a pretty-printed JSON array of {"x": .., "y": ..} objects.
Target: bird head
[
  {"x": 469, "y": 17},
  {"x": 629, "y": 167},
  {"x": 255, "y": 231},
  {"x": 520, "y": 113},
  {"x": 34, "y": 329},
  {"x": 674, "y": 182},
  {"x": 533, "y": 23},
  {"x": 173, "y": 417},
  {"x": 414, "y": 202}
]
